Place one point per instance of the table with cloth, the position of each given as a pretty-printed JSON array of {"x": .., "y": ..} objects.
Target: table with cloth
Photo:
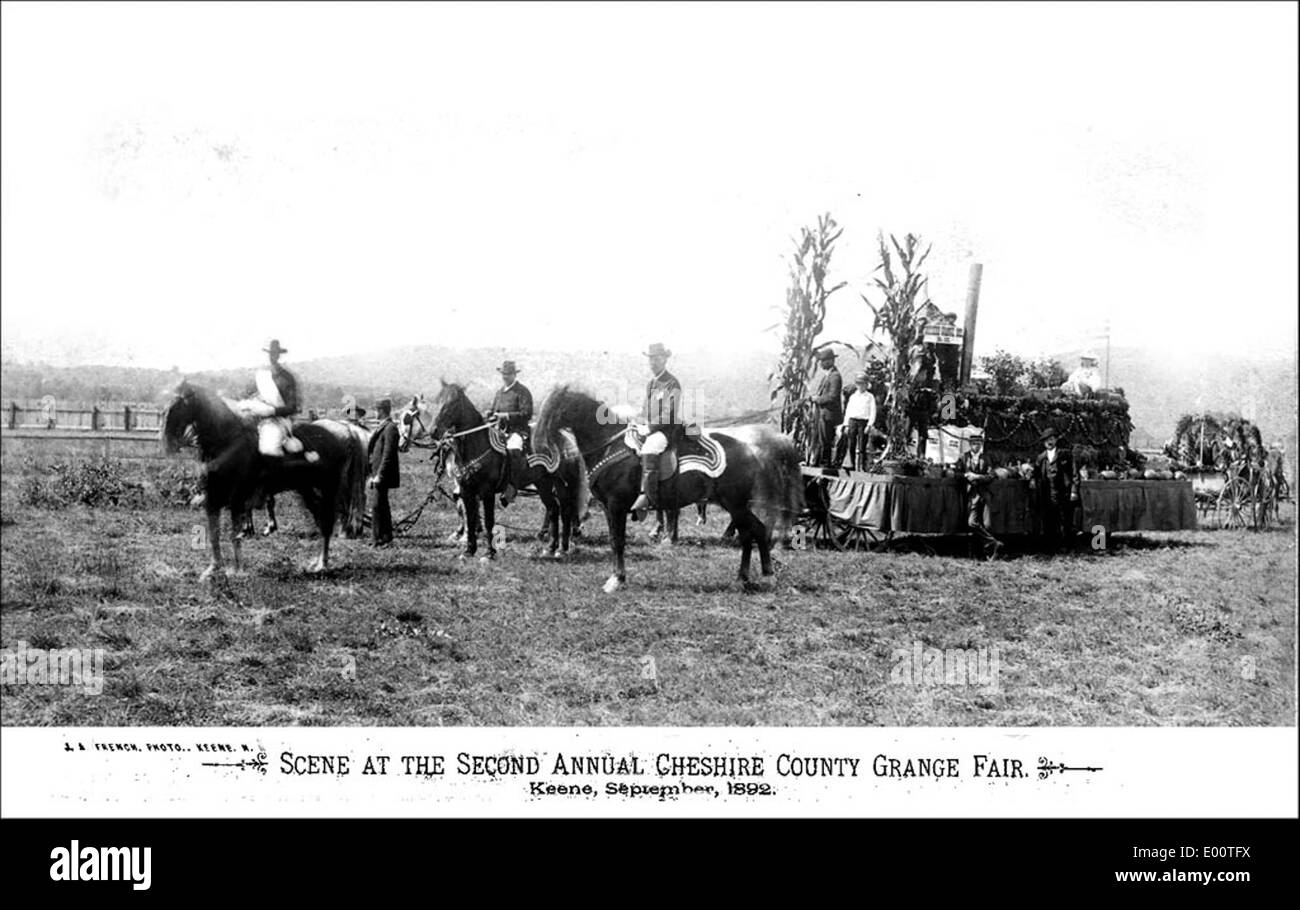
[{"x": 937, "y": 505}]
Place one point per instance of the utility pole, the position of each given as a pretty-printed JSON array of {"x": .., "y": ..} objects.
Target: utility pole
[
  {"x": 968, "y": 328},
  {"x": 1105, "y": 380}
]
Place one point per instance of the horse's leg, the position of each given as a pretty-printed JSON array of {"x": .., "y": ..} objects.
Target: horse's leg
[
  {"x": 764, "y": 539},
  {"x": 745, "y": 524},
  {"x": 673, "y": 518},
  {"x": 546, "y": 492},
  {"x": 617, "y": 514},
  {"x": 702, "y": 513},
  {"x": 325, "y": 517},
  {"x": 214, "y": 540},
  {"x": 471, "y": 525},
  {"x": 489, "y": 521},
  {"x": 236, "y": 533},
  {"x": 271, "y": 524}
]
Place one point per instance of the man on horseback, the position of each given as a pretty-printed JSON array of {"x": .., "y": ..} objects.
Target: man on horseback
[
  {"x": 663, "y": 426},
  {"x": 273, "y": 398},
  {"x": 513, "y": 408}
]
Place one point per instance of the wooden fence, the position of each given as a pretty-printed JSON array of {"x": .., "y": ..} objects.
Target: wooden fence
[{"x": 51, "y": 414}]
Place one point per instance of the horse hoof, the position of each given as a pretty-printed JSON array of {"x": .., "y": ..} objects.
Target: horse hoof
[
  {"x": 269, "y": 529},
  {"x": 462, "y": 557},
  {"x": 485, "y": 559},
  {"x": 207, "y": 573},
  {"x": 612, "y": 585}
]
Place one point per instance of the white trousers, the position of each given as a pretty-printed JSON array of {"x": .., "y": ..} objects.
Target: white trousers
[
  {"x": 274, "y": 437},
  {"x": 655, "y": 444}
]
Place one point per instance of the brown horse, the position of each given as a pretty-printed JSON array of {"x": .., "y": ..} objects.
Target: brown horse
[
  {"x": 761, "y": 472},
  {"x": 332, "y": 484},
  {"x": 556, "y": 472}
]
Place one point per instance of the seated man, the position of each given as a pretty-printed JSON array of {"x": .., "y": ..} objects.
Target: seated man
[
  {"x": 273, "y": 399},
  {"x": 663, "y": 422},
  {"x": 513, "y": 408}
]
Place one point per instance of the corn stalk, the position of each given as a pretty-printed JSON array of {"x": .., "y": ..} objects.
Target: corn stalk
[
  {"x": 803, "y": 313},
  {"x": 898, "y": 319}
]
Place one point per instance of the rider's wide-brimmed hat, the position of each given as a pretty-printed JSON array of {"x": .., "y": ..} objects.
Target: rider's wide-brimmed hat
[
  {"x": 274, "y": 347},
  {"x": 508, "y": 367},
  {"x": 658, "y": 350},
  {"x": 1047, "y": 434}
]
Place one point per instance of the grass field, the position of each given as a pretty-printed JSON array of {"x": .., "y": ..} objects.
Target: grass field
[{"x": 1163, "y": 629}]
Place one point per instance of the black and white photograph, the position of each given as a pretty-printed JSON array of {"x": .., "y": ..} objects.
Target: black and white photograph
[{"x": 678, "y": 407}]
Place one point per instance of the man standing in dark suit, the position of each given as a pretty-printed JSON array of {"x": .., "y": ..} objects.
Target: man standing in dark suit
[
  {"x": 384, "y": 475},
  {"x": 976, "y": 469},
  {"x": 830, "y": 409},
  {"x": 1057, "y": 488}
]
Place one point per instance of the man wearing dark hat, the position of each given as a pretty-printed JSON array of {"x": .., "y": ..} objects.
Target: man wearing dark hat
[
  {"x": 829, "y": 408},
  {"x": 384, "y": 473},
  {"x": 975, "y": 468},
  {"x": 1057, "y": 487},
  {"x": 273, "y": 397},
  {"x": 513, "y": 408},
  {"x": 663, "y": 419},
  {"x": 354, "y": 415}
]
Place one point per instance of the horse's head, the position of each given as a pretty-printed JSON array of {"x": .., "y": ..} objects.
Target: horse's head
[
  {"x": 453, "y": 412},
  {"x": 414, "y": 422},
  {"x": 178, "y": 417},
  {"x": 567, "y": 408}
]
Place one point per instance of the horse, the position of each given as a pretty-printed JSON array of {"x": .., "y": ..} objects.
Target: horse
[
  {"x": 761, "y": 471},
  {"x": 331, "y": 486},
  {"x": 556, "y": 472}
]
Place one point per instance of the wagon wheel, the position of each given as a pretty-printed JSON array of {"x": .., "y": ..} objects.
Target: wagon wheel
[
  {"x": 1232, "y": 509},
  {"x": 816, "y": 517},
  {"x": 848, "y": 536}
]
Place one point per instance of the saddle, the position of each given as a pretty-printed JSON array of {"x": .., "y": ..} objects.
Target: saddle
[{"x": 695, "y": 451}]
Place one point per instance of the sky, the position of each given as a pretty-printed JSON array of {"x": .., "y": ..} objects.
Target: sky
[{"x": 183, "y": 182}]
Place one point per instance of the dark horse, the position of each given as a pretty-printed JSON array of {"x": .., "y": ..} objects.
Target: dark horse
[
  {"x": 480, "y": 460},
  {"x": 333, "y": 485},
  {"x": 762, "y": 472}
]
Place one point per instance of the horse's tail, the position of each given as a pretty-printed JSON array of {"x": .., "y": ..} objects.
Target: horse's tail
[
  {"x": 353, "y": 471},
  {"x": 777, "y": 494},
  {"x": 571, "y": 454}
]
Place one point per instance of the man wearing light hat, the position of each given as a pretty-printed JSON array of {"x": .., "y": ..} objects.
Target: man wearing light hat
[
  {"x": 513, "y": 408},
  {"x": 830, "y": 408},
  {"x": 663, "y": 419},
  {"x": 273, "y": 398},
  {"x": 1085, "y": 378}
]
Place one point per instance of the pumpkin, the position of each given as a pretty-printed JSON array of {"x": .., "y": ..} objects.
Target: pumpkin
[{"x": 1108, "y": 475}]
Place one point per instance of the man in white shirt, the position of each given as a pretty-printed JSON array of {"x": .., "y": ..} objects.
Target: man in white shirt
[{"x": 859, "y": 418}]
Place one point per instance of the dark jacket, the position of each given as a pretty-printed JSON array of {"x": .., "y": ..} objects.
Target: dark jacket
[
  {"x": 288, "y": 386},
  {"x": 1057, "y": 481},
  {"x": 663, "y": 406},
  {"x": 383, "y": 455},
  {"x": 830, "y": 403},
  {"x": 515, "y": 406}
]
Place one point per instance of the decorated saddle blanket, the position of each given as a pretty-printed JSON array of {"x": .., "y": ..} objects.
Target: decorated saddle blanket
[{"x": 697, "y": 451}]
